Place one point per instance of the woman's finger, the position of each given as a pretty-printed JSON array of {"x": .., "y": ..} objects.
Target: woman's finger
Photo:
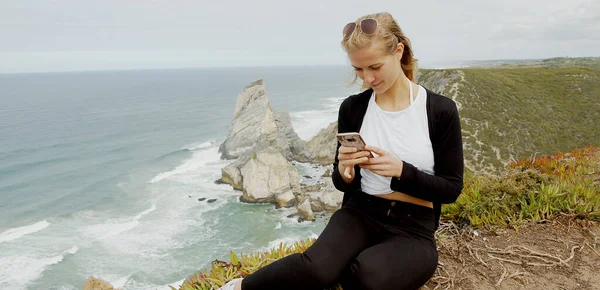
[
  {"x": 347, "y": 172},
  {"x": 374, "y": 167},
  {"x": 376, "y": 150},
  {"x": 359, "y": 154},
  {"x": 378, "y": 160},
  {"x": 352, "y": 162},
  {"x": 346, "y": 150}
]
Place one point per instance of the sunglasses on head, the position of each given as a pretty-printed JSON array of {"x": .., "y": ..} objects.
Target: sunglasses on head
[{"x": 367, "y": 26}]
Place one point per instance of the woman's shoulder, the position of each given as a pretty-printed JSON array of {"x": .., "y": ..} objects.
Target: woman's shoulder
[
  {"x": 439, "y": 103},
  {"x": 357, "y": 100}
]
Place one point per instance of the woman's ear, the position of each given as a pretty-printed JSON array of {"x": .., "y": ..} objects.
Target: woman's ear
[{"x": 400, "y": 50}]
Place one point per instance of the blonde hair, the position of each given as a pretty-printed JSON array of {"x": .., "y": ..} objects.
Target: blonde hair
[{"x": 389, "y": 37}]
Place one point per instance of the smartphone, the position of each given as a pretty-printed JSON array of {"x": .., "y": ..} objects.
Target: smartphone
[{"x": 352, "y": 139}]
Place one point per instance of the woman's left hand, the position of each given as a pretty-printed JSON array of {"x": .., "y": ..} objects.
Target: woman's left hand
[{"x": 384, "y": 164}]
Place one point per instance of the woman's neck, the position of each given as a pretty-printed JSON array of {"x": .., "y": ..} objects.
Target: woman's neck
[{"x": 397, "y": 96}]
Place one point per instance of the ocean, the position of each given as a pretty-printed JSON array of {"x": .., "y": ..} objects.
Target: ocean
[{"x": 101, "y": 172}]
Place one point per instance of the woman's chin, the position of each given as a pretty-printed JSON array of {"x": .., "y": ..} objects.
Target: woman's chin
[{"x": 379, "y": 89}]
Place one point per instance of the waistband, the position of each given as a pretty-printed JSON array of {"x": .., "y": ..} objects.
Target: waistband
[
  {"x": 396, "y": 217},
  {"x": 375, "y": 202}
]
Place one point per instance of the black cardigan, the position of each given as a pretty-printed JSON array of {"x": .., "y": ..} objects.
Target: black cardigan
[{"x": 445, "y": 134}]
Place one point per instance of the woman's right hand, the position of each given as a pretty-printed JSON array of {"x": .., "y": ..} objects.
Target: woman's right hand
[{"x": 348, "y": 157}]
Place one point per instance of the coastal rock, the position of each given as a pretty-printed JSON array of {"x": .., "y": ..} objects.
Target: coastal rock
[
  {"x": 305, "y": 211},
  {"x": 267, "y": 173},
  {"x": 285, "y": 139},
  {"x": 313, "y": 187},
  {"x": 327, "y": 198},
  {"x": 321, "y": 148},
  {"x": 97, "y": 284},
  {"x": 256, "y": 125},
  {"x": 328, "y": 171},
  {"x": 220, "y": 181},
  {"x": 285, "y": 199},
  {"x": 231, "y": 173}
]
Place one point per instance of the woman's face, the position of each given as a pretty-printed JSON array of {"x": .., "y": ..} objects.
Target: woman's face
[{"x": 377, "y": 68}]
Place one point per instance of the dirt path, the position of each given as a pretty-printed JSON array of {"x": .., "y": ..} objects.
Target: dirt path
[{"x": 562, "y": 254}]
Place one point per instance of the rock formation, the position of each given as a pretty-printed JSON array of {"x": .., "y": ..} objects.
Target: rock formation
[
  {"x": 263, "y": 143},
  {"x": 267, "y": 174},
  {"x": 256, "y": 124}
]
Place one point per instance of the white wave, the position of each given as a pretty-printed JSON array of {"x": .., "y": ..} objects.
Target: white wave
[
  {"x": 67, "y": 287},
  {"x": 310, "y": 174},
  {"x": 151, "y": 209},
  {"x": 203, "y": 145},
  {"x": 199, "y": 160},
  {"x": 176, "y": 285},
  {"x": 308, "y": 123},
  {"x": 288, "y": 241},
  {"x": 72, "y": 250},
  {"x": 17, "y": 271},
  {"x": 15, "y": 233},
  {"x": 107, "y": 230},
  {"x": 120, "y": 228},
  {"x": 120, "y": 283}
]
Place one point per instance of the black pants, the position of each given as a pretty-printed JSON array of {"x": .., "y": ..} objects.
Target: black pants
[{"x": 370, "y": 243}]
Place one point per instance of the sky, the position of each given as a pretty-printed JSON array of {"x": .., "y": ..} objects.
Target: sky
[{"x": 74, "y": 35}]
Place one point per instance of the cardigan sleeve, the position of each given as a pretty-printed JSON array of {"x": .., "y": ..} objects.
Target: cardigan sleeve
[
  {"x": 338, "y": 181},
  {"x": 447, "y": 182}
]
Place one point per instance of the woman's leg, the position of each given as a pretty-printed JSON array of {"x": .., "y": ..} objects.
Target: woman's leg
[
  {"x": 320, "y": 266},
  {"x": 397, "y": 263}
]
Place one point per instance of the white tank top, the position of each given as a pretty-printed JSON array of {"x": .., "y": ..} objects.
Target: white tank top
[{"x": 405, "y": 134}]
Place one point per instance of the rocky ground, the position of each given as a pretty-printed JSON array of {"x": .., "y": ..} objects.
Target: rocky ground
[{"x": 559, "y": 254}]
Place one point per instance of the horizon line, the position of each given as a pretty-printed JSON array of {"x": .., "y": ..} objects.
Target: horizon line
[{"x": 427, "y": 65}]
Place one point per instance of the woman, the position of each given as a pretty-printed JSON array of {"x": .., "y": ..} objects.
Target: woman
[{"x": 383, "y": 236}]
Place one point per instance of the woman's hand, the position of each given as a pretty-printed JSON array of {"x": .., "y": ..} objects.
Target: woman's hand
[
  {"x": 385, "y": 164},
  {"x": 348, "y": 157}
]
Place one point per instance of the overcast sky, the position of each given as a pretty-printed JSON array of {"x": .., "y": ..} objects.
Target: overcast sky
[{"x": 63, "y": 35}]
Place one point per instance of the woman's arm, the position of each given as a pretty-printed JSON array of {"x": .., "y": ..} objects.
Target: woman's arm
[
  {"x": 341, "y": 182},
  {"x": 447, "y": 183}
]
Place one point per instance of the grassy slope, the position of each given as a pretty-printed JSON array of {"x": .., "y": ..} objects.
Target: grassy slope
[
  {"x": 545, "y": 63},
  {"x": 509, "y": 114}
]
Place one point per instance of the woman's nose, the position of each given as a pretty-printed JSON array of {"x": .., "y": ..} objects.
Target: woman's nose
[{"x": 369, "y": 78}]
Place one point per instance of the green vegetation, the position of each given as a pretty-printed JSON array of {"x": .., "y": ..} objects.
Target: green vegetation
[
  {"x": 508, "y": 114},
  {"x": 532, "y": 191},
  {"x": 221, "y": 271},
  {"x": 556, "y": 62},
  {"x": 529, "y": 190}
]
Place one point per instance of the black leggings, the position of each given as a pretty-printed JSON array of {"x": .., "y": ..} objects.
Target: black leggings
[{"x": 370, "y": 243}]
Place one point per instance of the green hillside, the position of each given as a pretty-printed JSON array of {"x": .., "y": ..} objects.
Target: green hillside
[
  {"x": 556, "y": 62},
  {"x": 515, "y": 113}
]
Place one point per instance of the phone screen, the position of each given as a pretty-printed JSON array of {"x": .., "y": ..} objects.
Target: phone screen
[{"x": 352, "y": 140}]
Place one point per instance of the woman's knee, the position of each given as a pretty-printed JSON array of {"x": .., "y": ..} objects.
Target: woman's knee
[
  {"x": 373, "y": 275},
  {"x": 344, "y": 237},
  {"x": 322, "y": 275}
]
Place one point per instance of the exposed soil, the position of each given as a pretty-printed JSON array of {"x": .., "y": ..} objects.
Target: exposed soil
[{"x": 559, "y": 254}]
